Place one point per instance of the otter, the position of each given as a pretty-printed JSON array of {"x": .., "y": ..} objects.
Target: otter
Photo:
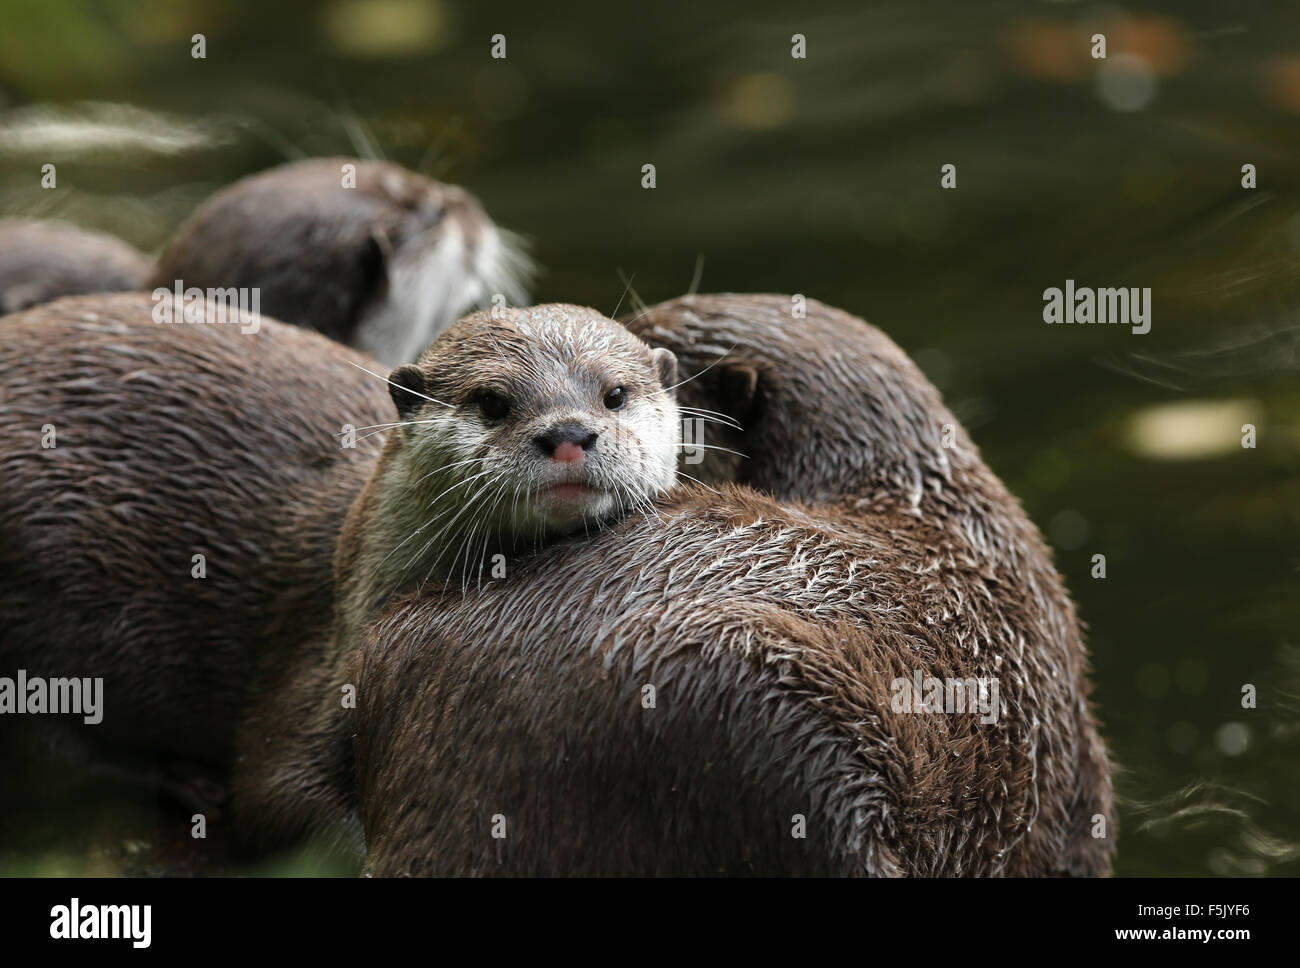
[
  {"x": 369, "y": 253},
  {"x": 773, "y": 621},
  {"x": 43, "y": 259},
  {"x": 127, "y": 449}
]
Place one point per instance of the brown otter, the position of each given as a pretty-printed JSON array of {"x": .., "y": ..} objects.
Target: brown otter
[
  {"x": 127, "y": 448},
  {"x": 41, "y": 260},
  {"x": 773, "y": 635},
  {"x": 366, "y": 252}
]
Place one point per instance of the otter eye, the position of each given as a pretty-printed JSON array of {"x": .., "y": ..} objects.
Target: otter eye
[
  {"x": 615, "y": 399},
  {"x": 493, "y": 405}
]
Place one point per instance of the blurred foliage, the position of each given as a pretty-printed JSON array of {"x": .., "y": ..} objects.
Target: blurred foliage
[{"x": 821, "y": 176}]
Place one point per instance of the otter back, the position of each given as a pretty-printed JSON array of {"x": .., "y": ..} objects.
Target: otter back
[
  {"x": 43, "y": 260},
  {"x": 128, "y": 449},
  {"x": 718, "y": 696}
]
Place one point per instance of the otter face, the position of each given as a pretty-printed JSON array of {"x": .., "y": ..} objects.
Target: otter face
[{"x": 543, "y": 422}]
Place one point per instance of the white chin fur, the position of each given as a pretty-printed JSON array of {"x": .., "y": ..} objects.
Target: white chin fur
[
  {"x": 435, "y": 279},
  {"x": 571, "y": 515}
]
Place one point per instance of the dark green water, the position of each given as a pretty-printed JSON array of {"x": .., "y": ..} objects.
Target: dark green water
[{"x": 822, "y": 176}]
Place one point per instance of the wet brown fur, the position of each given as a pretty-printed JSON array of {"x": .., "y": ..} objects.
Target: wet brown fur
[
  {"x": 769, "y": 623},
  {"x": 172, "y": 440},
  {"x": 772, "y": 632}
]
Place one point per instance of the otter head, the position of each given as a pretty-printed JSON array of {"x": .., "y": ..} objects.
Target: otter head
[
  {"x": 366, "y": 252},
  {"x": 815, "y": 405},
  {"x": 538, "y": 423}
]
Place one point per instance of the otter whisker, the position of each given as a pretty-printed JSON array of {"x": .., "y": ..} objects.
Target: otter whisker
[
  {"x": 487, "y": 534},
  {"x": 395, "y": 423},
  {"x": 460, "y": 509},
  {"x": 712, "y": 447},
  {"x": 482, "y": 557},
  {"x": 634, "y": 501},
  {"x": 362, "y": 137},
  {"x": 459, "y": 483},
  {"x": 699, "y": 275},
  {"x": 699, "y": 482},
  {"x": 398, "y": 546},
  {"x": 648, "y": 505},
  {"x": 387, "y": 426},
  {"x": 704, "y": 418},
  {"x": 637, "y": 301},
  {"x": 637, "y": 503},
  {"x": 424, "y": 547},
  {"x": 491, "y": 515},
  {"x": 417, "y": 483},
  {"x": 470, "y": 534},
  {"x": 400, "y": 387},
  {"x": 627, "y": 286},
  {"x": 440, "y": 468},
  {"x": 465, "y": 507},
  {"x": 374, "y": 432},
  {"x": 514, "y": 508},
  {"x": 468, "y": 529},
  {"x": 703, "y": 410},
  {"x": 703, "y": 371},
  {"x": 431, "y": 520},
  {"x": 639, "y": 316},
  {"x": 711, "y": 415}
]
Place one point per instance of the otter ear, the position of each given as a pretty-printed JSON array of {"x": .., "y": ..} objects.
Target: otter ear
[
  {"x": 738, "y": 391},
  {"x": 372, "y": 265},
  {"x": 666, "y": 364},
  {"x": 406, "y": 387}
]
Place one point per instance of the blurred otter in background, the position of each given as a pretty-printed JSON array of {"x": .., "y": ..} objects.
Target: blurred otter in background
[
  {"x": 366, "y": 252},
  {"x": 43, "y": 259}
]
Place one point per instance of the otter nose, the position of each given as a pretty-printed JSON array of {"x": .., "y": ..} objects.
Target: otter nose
[{"x": 566, "y": 442}]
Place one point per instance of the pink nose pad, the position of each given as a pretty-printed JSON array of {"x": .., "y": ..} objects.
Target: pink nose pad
[{"x": 567, "y": 453}]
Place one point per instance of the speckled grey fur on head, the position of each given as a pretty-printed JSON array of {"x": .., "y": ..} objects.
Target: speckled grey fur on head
[{"x": 455, "y": 490}]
